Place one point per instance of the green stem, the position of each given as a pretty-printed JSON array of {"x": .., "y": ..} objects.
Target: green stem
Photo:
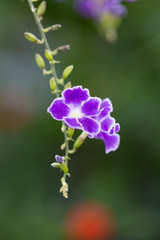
[
  {"x": 66, "y": 149},
  {"x": 64, "y": 188},
  {"x": 43, "y": 36}
]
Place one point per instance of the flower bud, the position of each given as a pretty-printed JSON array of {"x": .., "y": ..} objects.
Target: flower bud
[
  {"x": 67, "y": 71},
  {"x": 61, "y": 49},
  {"x": 60, "y": 81},
  {"x": 59, "y": 159},
  {"x": 56, "y": 165},
  {"x": 39, "y": 60},
  {"x": 52, "y": 84},
  {"x": 32, "y": 38},
  {"x": 110, "y": 24},
  {"x": 70, "y": 133},
  {"x": 48, "y": 55},
  {"x": 63, "y": 128},
  {"x": 41, "y": 9},
  {"x": 68, "y": 85},
  {"x": 64, "y": 168},
  {"x": 63, "y": 146},
  {"x": 79, "y": 141},
  {"x": 52, "y": 28}
]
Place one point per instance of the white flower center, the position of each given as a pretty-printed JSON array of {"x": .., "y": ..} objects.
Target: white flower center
[{"x": 75, "y": 113}]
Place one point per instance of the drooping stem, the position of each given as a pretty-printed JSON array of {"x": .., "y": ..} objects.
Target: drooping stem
[
  {"x": 64, "y": 188},
  {"x": 44, "y": 38}
]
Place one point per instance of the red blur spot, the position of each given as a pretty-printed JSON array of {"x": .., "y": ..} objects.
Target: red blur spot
[{"x": 89, "y": 221}]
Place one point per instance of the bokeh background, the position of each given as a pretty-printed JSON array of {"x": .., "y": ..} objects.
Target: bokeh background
[{"x": 128, "y": 72}]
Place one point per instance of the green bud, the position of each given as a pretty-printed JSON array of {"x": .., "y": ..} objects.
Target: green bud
[
  {"x": 80, "y": 140},
  {"x": 61, "y": 49},
  {"x": 70, "y": 133},
  {"x": 60, "y": 81},
  {"x": 63, "y": 146},
  {"x": 39, "y": 60},
  {"x": 52, "y": 28},
  {"x": 32, "y": 38},
  {"x": 56, "y": 165},
  {"x": 63, "y": 128},
  {"x": 41, "y": 9},
  {"x": 48, "y": 55},
  {"x": 52, "y": 84},
  {"x": 109, "y": 25},
  {"x": 64, "y": 168},
  {"x": 67, "y": 71},
  {"x": 68, "y": 85},
  {"x": 47, "y": 72}
]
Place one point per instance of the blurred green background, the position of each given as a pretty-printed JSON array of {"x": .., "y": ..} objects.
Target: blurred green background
[{"x": 128, "y": 72}]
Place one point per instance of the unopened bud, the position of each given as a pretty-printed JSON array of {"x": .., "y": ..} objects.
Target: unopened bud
[
  {"x": 59, "y": 159},
  {"x": 80, "y": 140},
  {"x": 63, "y": 128},
  {"x": 68, "y": 85},
  {"x": 70, "y": 133},
  {"x": 48, "y": 55},
  {"x": 41, "y": 9},
  {"x": 52, "y": 84},
  {"x": 32, "y": 38},
  {"x": 39, "y": 60},
  {"x": 61, "y": 49},
  {"x": 64, "y": 168},
  {"x": 47, "y": 72},
  {"x": 60, "y": 81},
  {"x": 63, "y": 146},
  {"x": 67, "y": 71},
  {"x": 56, "y": 165},
  {"x": 52, "y": 28}
]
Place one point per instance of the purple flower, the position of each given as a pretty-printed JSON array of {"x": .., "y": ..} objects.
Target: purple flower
[
  {"x": 115, "y": 7},
  {"x": 109, "y": 127},
  {"x": 95, "y": 9},
  {"x": 89, "y": 8},
  {"x": 59, "y": 159},
  {"x": 76, "y": 108},
  {"x": 90, "y": 114}
]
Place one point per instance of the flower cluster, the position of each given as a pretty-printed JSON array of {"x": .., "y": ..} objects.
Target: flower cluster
[
  {"x": 78, "y": 110},
  {"x": 95, "y": 9},
  {"x": 107, "y": 14}
]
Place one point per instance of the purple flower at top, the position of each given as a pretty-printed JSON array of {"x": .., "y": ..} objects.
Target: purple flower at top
[
  {"x": 76, "y": 108},
  {"x": 88, "y": 8},
  {"x": 109, "y": 127},
  {"x": 115, "y": 7},
  {"x": 96, "y": 8}
]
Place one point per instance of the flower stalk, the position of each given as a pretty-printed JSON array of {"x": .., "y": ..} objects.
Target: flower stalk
[
  {"x": 44, "y": 39},
  {"x": 53, "y": 83}
]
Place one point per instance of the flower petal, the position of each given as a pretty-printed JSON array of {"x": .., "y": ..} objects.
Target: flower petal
[
  {"x": 106, "y": 108},
  {"x": 117, "y": 127},
  {"x": 72, "y": 123},
  {"x": 91, "y": 126},
  {"x": 75, "y": 96},
  {"x": 107, "y": 123},
  {"x": 111, "y": 142},
  {"x": 58, "y": 109},
  {"x": 59, "y": 159},
  {"x": 91, "y": 107}
]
